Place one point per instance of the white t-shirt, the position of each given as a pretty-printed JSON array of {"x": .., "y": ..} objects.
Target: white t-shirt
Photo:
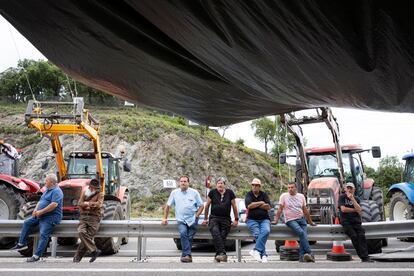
[{"x": 292, "y": 206}]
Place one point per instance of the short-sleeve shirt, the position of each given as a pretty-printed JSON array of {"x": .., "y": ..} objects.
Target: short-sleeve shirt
[
  {"x": 186, "y": 204},
  {"x": 54, "y": 194},
  {"x": 257, "y": 213},
  {"x": 221, "y": 204},
  {"x": 348, "y": 218},
  {"x": 292, "y": 206}
]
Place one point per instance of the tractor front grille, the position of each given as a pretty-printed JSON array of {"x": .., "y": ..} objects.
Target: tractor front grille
[{"x": 71, "y": 195}]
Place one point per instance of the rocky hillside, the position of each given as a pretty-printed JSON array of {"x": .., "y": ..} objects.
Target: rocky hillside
[{"x": 159, "y": 147}]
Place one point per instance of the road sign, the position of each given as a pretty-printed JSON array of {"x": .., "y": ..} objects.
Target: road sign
[{"x": 169, "y": 183}]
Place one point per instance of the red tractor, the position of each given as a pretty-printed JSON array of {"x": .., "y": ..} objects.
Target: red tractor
[
  {"x": 14, "y": 191},
  {"x": 323, "y": 172},
  {"x": 75, "y": 171}
]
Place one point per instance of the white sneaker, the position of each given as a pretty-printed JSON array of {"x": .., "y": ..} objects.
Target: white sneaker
[
  {"x": 255, "y": 254},
  {"x": 264, "y": 259}
]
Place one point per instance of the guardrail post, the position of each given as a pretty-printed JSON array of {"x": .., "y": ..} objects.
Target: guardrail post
[
  {"x": 139, "y": 249},
  {"x": 54, "y": 247},
  {"x": 35, "y": 242},
  {"x": 144, "y": 248},
  {"x": 238, "y": 250}
]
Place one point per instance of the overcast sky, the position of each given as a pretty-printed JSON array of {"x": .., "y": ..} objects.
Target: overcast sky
[{"x": 391, "y": 131}]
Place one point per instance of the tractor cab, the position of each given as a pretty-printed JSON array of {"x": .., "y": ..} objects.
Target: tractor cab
[
  {"x": 324, "y": 186},
  {"x": 322, "y": 162},
  {"x": 408, "y": 174},
  {"x": 83, "y": 165}
]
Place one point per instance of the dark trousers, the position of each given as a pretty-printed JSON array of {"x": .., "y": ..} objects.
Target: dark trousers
[
  {"x": 88, "y": 226},
  {"x": 357, "y": 235},
  {"x": 219, "y": 229}
]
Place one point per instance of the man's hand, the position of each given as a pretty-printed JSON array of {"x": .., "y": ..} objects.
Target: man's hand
[
  {"x": 235, "y": 223},
  {"x": 164, "y": 222},
  {"x": 274, "y": 222},
  {"x": 312, "y": 223},
  {"x": 350, "y": 195},
  {"x": 205, "y": 222},
  {"x": 34, "y": 213}
]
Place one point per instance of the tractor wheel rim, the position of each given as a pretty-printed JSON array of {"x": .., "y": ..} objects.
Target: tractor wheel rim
[
  {"x": 4, "y": 210},
  {"x": 400, "y": 211}
]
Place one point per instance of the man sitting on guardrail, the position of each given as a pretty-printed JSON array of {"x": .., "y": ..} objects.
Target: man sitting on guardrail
[
  {"x": 258, "y": 220},
  {"x": 188, "y": 207},
  {"x": 350, "y": 218},
  {"x": 219, "y": 222},
  {"x": 293, "y": 205},
  {"x": 90, "y": 205},
  {"x": 47, "y": 213}
]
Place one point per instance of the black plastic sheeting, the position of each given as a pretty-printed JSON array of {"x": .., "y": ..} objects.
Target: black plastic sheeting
[{"x": 222, "y": 62}]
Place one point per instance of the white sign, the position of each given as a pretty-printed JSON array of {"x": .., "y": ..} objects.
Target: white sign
[{"x": 169, "y": 183}]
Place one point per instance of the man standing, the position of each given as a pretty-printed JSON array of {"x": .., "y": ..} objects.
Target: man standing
[
  {"x": 293, "y": 205},
  {"x": 350, "y": 217},
  {"x": 221, "y": 201},
  {"x": 90, "y": 205},
  {"x": 258, "y": 221},
  {"x": 188, "y": 207},
  {"x": 47, "y": 213}
]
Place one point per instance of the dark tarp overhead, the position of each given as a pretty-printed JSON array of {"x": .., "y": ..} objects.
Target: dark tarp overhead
[{"x": 221, "y": 62}]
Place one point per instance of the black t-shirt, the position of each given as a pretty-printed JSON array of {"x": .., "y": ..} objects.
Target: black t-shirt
[
  {"x": 348, "y": 218},
  {"x": 221, "y": 205},
  {"x": 257, "y": 213}
]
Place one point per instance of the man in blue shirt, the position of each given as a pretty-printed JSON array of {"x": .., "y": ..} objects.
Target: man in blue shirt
[
  {"x": 188, "y": 207},
  {"x": 47, "y": 213}
]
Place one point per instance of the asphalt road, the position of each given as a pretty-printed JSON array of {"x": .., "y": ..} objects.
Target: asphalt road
[{"x": 163, "y": 259}]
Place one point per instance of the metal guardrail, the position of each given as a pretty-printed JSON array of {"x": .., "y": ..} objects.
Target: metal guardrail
[{"x": 143, "y": 229}]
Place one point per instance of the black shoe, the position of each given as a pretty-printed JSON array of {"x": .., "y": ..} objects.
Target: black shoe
[
  {"x": 367, "y": 260},
  {"x": 19, "y": 247},
  {"x": 32, "y": 259},
  {"x": 95, "y": 254},
  {"x": 77, "y": 259}
]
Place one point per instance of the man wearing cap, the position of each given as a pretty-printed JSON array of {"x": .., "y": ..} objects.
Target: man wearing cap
[
  {"x": 350, "y": 218},
  {"x": 188, "y": 207},
  {"x": 90, "y": 205},
  {"x": 293, "y": 205},
  {"x": 258, "y": 220},
  {"x": 221, "y": 200}
]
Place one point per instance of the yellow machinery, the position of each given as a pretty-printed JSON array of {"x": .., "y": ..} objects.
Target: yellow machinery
[
  {"x": 53, "y": 119},
  {"x": 52, "y": 126}
]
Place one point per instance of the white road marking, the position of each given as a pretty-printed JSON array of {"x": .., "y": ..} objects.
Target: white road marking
[{"x": 206, "y": 270}]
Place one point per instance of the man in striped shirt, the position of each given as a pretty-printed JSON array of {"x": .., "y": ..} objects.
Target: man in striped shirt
[{"x": 293, "y": 205}]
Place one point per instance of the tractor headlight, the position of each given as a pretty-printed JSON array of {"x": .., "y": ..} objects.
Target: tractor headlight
[
  {"x": 74, "y": 202},
  {"x": 325, "y": 200}
]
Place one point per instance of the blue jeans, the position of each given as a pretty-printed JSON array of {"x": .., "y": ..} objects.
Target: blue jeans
[
  {"x": 299, "y": 226},
  {"x": 186, "y": 236},
  {"x": 45, "y": 226},
  {"x": 260, "y": 230}
]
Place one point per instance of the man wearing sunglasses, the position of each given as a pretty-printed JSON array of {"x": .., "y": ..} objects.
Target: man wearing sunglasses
[
  {"x": 258, "y": 220},
  {"x": 350, "y": 217}
]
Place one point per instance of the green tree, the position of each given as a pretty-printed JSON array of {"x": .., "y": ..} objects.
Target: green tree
[
  {"x": 44, "y": 81},
  {"x": 389, "y": 171},
  {"x": 283, "y": 140},
  {"x": 370, "y": 172},
  {"x": 264, "y": 130}
]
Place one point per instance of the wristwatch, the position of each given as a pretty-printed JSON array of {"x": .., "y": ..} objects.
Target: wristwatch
[{"x": 236, "y": 219}]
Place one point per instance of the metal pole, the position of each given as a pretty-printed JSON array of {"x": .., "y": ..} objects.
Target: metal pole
[
  {"x": 35, "y": 242},
  {"x": 238, "y": 250},
  {"x": 54, "y": 247},
  {"x": 144, "y": 248},
  {"x": 139, "y": 248}
]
